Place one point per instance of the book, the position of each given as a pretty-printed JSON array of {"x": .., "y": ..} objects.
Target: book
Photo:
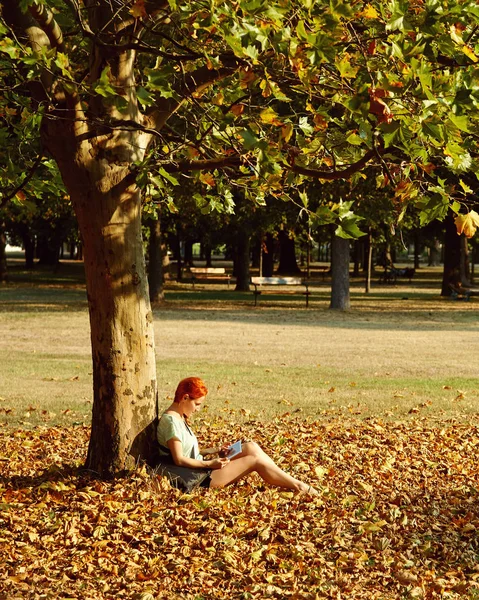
[{"x": 234, "y": 450}]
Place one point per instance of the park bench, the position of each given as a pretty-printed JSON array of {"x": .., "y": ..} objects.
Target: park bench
[
  {"x": 209, "y": 273},
  {"x": 266, "y": 281},
  {"x": 460, "y": 292},
  {"x": 390, "y": 274}
]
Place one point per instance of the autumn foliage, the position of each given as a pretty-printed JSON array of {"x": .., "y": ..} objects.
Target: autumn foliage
[{"x": 397, "y": 517}]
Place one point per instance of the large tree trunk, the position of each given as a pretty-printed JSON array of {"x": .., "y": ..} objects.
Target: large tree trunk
[
  {"x": 340, "y": 274},
  {"x": 452, "y": 257},
  {"x": 3, "y": 255},
  {"x": 287, "y": 255},
  {"x": 107, "y": 203},
  {"x": 124, "y": 371},
  {"x": 242, "y": 260},
  {"x": 155, "y": 263}
]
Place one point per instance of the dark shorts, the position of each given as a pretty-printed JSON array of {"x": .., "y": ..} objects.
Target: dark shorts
[{"x": 206, "y": 482}]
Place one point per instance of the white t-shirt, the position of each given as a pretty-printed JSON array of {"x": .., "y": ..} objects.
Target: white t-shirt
[{"x": 170, "y": 427}]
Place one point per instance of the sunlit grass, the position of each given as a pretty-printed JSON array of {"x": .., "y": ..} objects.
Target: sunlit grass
[{"x": 399, "y": 351}]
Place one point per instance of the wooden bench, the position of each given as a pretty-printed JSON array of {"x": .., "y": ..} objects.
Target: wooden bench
[
  {"x": 460, "y": 292},
  {"x": 205, "y": 273},
  {"x": 259, "y": 281}
]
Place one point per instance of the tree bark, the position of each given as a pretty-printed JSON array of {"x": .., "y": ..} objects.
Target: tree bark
[
  {"x": 435, "y": 253},
  {"x": 340, "y": 274},
  {"x": 3, "y": 255},
  {"x": 287, "y": 255},
  {"x": 417, "y": 248},
  {"x": 267, "y": 267},
  {"x": 368, "y": 260},
  {"x": 108, "y": 207},
  {"x": 242, "y": 262},
  {"x": 452, "y": 257},
  {"x": 155, "y": 263},
  {"x": 29, "y": 246}
]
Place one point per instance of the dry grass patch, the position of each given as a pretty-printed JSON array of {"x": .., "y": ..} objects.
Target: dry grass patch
[{"x": 399, "y": 349}]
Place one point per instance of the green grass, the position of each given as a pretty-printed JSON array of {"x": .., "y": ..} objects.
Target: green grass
[{"x": 400, "y": 352}]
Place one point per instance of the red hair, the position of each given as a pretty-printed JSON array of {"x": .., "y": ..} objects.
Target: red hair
[{"x": 193, "y": 387}]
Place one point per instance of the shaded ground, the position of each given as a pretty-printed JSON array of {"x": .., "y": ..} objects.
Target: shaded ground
[{"x": 397, "y": 517}]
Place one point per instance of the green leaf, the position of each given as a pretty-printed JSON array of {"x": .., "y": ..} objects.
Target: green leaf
[
  {"x": 348, "y": 230},
  {"x": 103, "y": 86},
  {"x": 461, "y": 122},
  {"x": 144, "y": 97},
  {"x": 354, "y": 139},
  {"x": 305, "y": 127},
  {"x": 252, "y": 52},
  {"x": 168, "y": 176},
  {"x": 249, "y": 139}
]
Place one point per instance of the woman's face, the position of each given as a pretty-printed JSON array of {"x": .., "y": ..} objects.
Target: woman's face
[{"x": 191, "y": 406}]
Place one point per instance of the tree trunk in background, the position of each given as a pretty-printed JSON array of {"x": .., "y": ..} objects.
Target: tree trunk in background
[
  {"x": 267, "y": 269},
  {"x": 29, "y": 247},
  {"x": 287, "y": 256},
  {"x": 417, "y": 248},
  {"x": 155, "y": 263},
  {"x": 165, "y": 259},
  {"x": 452, "y": 256},
  {"x": 177, "y": 251},
  {"x": 207, "y": 252},
  {"x": 368, "y": 262},
  {"x": 3, "y": 255},
  {"x": 188, "y": 258},
  {"x": 358, "y": 254},
  {"x": 256, "y": 252},
  {"x": 435, "y": 254},
  {"x": 242, "y": 261},
  {"x": 464, "y": 266},
  {"x": 48, "y": 251},
  {"x": 340, "y": 274}
]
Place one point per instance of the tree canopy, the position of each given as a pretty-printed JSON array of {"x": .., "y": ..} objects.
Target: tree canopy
[{"x": 275, "y": 92}]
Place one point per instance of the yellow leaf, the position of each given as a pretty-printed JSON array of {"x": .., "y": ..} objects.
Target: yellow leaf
[
  {"x": 287, "y": 132},
  {"x": 218, "y": 99},
  {"x": 370, "y": 12},
  {"x": 320, "y": 472},
  {"x": 467, "y": 224},
  {"x": 268, "y": 115},
  {"x": 469, "y": 52},
  {"x": 138, "y": 9},
  {"x": 208, "y": 179}
]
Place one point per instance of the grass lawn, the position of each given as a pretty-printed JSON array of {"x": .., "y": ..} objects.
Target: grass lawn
[{"x": 400, "y": 351}]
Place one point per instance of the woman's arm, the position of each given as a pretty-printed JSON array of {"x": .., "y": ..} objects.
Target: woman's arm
[{"x": 176, "y": 450}]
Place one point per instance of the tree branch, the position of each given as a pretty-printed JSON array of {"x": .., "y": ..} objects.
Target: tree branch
[
  {"x": 46, "y": 20},
  {"x": 336, "y": 174},
  {"x": 236, "y": 161},
  {"x": 193, "y": 83}
]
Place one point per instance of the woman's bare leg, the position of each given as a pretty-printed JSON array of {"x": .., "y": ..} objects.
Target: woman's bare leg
[{"x": 254, "y": 459}]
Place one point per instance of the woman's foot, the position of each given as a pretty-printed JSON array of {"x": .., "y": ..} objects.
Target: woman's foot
[{"x": 309, "y": 490}]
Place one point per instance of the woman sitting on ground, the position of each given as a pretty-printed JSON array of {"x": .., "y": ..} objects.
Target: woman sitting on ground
[{"x": 183, "y": 463}]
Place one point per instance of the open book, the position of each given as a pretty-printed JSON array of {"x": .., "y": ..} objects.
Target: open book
[{"x": 234, "y": 449}]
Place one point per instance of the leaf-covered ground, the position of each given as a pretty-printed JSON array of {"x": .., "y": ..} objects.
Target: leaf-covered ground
[{"x": 397, "y": 517}]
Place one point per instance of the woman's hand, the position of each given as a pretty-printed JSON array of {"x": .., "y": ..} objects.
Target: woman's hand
[
  {"x": 223, "y": 451},
  {"x": 217, "y": 463}
]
